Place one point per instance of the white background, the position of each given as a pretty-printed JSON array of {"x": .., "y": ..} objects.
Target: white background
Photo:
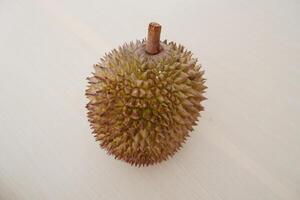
[{"x": 246, "y": 145}]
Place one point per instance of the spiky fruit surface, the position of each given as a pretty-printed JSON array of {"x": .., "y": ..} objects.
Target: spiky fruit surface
[{"x": 141, "y": 106}]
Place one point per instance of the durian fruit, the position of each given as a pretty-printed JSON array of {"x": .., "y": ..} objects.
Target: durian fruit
[{"x": 144, "y": 98}]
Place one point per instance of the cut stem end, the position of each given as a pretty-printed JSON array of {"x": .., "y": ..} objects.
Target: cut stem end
[{"x": 153, "y": 39}]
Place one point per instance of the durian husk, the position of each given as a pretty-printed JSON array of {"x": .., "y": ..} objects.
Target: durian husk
[{"x": 142, "y": 107}]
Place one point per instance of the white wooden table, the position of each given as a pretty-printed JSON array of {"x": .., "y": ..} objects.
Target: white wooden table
[{"x": 246, "y": 146}]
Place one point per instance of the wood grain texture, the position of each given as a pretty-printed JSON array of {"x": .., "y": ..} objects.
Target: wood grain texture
[{"x": 246, "y": 145}]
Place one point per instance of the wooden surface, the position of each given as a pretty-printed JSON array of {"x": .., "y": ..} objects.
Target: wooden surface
[{"x": 246, "y": 146}]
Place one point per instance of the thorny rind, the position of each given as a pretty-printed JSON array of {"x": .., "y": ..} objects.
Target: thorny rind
[{"x": 142, "y": 107}]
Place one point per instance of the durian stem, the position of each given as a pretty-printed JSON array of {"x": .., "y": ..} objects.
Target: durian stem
[{"x": 153, "y": 40}]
